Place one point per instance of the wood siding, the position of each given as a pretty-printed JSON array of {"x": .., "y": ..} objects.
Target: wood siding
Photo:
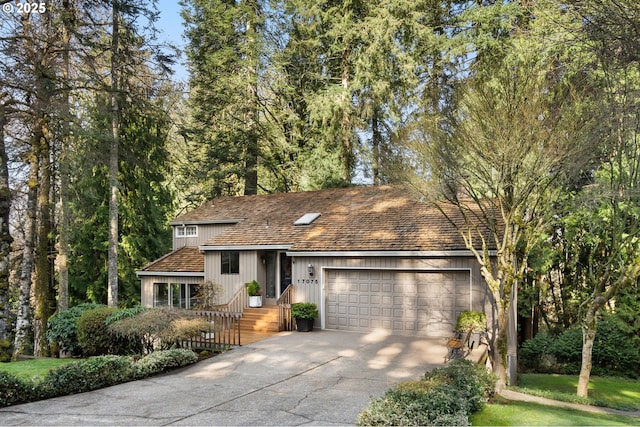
[
  {"x": 205, "y": 232},
  {"x": 231, "y": 283}
]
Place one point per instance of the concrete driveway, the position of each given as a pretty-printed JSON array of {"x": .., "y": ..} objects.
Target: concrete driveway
[{"x": 293, "y": 378}]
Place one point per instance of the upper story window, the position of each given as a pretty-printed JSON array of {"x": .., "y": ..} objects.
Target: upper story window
[
  {"x": 230, "y": 262},
  {"x": 187, "y": 231}
]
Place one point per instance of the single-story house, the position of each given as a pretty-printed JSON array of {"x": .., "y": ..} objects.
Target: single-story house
[{"x": 370, "y": 257}]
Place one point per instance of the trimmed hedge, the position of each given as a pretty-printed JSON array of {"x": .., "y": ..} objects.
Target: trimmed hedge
[
  {"x": 444, "y": 396},
  {"x": 14, "y": 390},
  {"x": 90, "y": 374},
  {"x": 159, "y": 361}
]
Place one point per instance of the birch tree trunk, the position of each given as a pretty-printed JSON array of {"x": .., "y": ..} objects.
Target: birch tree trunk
[
  {"x": 112, "y": 297},
  {"x": 588, "y": 338},
  {"x": 5, "y": 236},
  {"x": 26, "y": 269}
]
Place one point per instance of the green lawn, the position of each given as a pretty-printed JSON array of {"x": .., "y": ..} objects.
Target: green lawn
[
  {"x": 33, "y": 368},
  {"x": 504, "y": 413},
  {"x": 615, "y": 393},
  {"x": 611, "y": 392}
]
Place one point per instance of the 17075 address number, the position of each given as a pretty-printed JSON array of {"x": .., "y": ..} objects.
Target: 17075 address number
[{"x": 24, "y": 7}]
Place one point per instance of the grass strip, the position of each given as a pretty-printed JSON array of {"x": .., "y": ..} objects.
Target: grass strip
[
  {"x": 616, "y": 393},
  {"x": 511, "y": 413},
  {"x": 35, "y": 369}
]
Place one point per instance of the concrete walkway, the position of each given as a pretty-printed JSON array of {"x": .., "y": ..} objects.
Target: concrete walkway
[
  {"x": 316, "y": 378},
  {"x": 523, "y": 397}
]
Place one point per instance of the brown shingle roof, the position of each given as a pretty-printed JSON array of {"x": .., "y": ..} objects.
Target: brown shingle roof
[
  {"x": 380, "y": 218},
  {"x": 183, "y": 260}
]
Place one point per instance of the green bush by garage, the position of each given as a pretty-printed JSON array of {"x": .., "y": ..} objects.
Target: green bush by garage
[{"x": 444, "y": 396}]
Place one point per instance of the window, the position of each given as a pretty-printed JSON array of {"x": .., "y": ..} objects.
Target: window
[
  {"x": 230, "y": 262},
  {"x": 160, "y": 294},
  {"x": 177, "y": 295},
  {"x": 187, "y": 231}
]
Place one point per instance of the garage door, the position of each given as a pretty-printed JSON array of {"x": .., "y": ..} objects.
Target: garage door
[{"x": 402, "y": 302}]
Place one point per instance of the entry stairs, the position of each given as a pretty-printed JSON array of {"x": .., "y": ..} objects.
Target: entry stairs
[{"x": 258, "y": 323}]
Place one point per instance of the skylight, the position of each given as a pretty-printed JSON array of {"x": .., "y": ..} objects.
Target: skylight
[{"x": 306, "y": 219}]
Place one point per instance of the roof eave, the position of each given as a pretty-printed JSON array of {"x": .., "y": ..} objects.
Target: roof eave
[
  {"x": 244, "y": 247},
  {"x": 206, "y": 221},
  {"x": 170, "y": 273},
  {"x": 382, "y": 253}
]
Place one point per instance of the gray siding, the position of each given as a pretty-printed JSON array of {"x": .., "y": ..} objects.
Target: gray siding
[
  {"x": 231, "y": 283},
  {"x": 205, "y": 232}
]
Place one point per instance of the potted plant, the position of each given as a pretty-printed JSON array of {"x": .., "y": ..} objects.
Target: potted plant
[
  {"x": 474, "y": 323},
  {"x": 305, "y": 314},
  {"x": 255, "y": 295}
]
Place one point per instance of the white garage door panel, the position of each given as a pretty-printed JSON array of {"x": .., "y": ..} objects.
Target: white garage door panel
[{"x": 404, "y": 302}]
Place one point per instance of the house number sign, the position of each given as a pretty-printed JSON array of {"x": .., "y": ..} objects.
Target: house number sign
[{"x": 307, "y": 281}]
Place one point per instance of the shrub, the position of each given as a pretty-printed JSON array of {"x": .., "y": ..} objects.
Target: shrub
[
  {"x": 473, "y": 383},
  {"x": 124, "y": 313},
  {"x": 207, "y": 295},
  {"x": 304, "y": 310},
  {"x": 62, "y": 329},
  {"x": 160, "y": 361},
  {"x": 93, "y": 335},
  {"x": 253, "y": 288},
  {"x": 5, "y": 350},
  {"x": 415, "y": 403},
  {"x": 444, "y": 396},
  {"x": 125, "y": 343},
  {"x": 535, "y": 354},
  {"x": 468, "y": 320},
  {"x": 14, "y": 390},
  {"x": 615, "y": 352},
  {"x": 566, "y": 348},
  {"x": 160, "y": 328},
  {"x": 88, "y": 374}
]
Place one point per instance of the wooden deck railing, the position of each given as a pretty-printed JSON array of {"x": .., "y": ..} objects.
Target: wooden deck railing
[
  {"x": 238, "y": 302},
  {"x": 224, "y": 322},
  {"x": 285, "y": 321},
  {"x": 224, "y": 330}
]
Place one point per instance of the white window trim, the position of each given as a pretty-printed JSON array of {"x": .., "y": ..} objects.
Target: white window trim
[{"x": 181, "y": 231}]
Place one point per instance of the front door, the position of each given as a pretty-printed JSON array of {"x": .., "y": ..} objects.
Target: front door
[
  {"x": 272, "y": 274},
  {"x": 285, "y": 271}
]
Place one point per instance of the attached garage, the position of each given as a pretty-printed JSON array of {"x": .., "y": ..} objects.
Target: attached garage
[{"x": 405, "y": 302}]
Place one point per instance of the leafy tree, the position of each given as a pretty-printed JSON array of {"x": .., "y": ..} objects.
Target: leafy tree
[
  {"x": 145, "y": 201},
  {"x": 501, "y": 156}
]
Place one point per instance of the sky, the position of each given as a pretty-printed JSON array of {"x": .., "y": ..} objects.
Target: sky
[{"x": 170, "y": 25}]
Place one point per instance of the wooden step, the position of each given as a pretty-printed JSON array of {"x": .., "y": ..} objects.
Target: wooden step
[{"x": 262, "y": 319}]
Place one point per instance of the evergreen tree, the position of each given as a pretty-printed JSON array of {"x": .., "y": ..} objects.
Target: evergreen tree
[{"x": 224, "y": 56}]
